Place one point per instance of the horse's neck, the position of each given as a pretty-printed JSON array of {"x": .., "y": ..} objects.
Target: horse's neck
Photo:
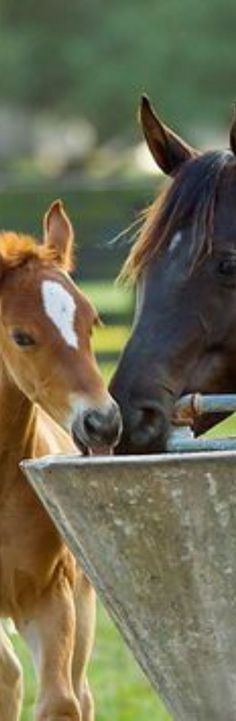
[{"x": 17, "y": 418}]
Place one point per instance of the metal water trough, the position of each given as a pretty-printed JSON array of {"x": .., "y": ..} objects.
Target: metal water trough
[{"x": 157, "y": 537}]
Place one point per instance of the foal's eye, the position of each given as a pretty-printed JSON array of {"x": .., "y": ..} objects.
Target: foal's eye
[
  {"x": 22, "y": 339},
  {"x": 227, "y": 267}
]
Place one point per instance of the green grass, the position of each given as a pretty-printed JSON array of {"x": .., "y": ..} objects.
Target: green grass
[{"x": 225, "y": 428}]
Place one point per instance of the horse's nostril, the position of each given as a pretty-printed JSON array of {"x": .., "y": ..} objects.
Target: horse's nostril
[
  {"x": 146, "y": 430},
  {"x": 148, "y": 424},
  {"x": 149, "y": 416}
]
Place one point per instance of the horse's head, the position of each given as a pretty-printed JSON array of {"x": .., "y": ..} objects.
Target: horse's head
[
  {"x": 184, "y": 264},
  {"x": 45, "y": 333}
]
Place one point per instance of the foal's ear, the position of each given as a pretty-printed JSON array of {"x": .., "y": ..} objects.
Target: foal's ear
[
  {"x": 168, "y": 150},
  {"x": 59, "y": 234}
]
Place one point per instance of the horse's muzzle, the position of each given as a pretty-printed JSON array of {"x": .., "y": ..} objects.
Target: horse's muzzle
[
  {"x": 146, "y": 430},
  {"x": 98, "y": 429}
]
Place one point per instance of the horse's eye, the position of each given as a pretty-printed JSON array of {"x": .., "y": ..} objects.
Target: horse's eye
[
  {"x": 22, "y": 339},
  {"x": 227, "y": 267}
]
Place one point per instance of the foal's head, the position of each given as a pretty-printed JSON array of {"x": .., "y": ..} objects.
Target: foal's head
[
  {"x": 184, "y": 266},
  {"x": 45, "y": 333}
]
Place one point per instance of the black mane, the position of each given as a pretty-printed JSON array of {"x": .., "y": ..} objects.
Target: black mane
[{"x": 190, "y": 199}]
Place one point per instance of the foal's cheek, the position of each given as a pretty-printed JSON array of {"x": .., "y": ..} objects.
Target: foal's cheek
[{"x": 17, "y": 368}]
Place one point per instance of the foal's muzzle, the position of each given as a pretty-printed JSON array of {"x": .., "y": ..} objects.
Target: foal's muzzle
[{"x": 98, "y": 429}]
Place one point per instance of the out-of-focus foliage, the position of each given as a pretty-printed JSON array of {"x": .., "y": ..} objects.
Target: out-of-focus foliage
[{"x": 95, "y": 57}]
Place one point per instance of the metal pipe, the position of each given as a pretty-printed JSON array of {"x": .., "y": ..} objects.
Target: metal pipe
[
  {"x": 183, "y": 441},
  {"x": 187, "y": 408},
  {"x": 193, "y": 405}
]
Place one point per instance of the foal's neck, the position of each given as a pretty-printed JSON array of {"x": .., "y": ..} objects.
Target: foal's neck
[{"x": 17, "y": 417}]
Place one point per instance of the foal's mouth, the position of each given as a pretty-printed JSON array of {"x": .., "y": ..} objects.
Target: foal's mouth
[
  {"x": 97, "y": 433},
  {"x": 92, "y": 450}
]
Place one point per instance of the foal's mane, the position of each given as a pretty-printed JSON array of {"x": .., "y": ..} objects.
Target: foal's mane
[
  {"x": 190, "y": 198},
  {"x": 17, "y": 249}
]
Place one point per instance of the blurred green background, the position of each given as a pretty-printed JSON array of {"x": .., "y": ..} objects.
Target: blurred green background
[
  {"x": 92, "y": 58},
  {"x": 70, "y": 81},
  {"x": 72, "y": 74}
]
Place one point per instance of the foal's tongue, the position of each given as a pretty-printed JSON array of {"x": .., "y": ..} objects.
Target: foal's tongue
[{"x": 101, "y": 451}]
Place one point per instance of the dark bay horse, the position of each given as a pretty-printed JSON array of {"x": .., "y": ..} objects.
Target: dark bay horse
[
  {"x": 184, "y": 265},
  {"x": 50, "y": 390}
]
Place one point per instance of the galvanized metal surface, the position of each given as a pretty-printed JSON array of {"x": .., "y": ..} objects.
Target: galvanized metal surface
[
  {"x": 182, "y": 440},
  {"x": 157, "y": 536},
  {"x": 197, "y": 404},
  {"x": 190, "y": 407}
]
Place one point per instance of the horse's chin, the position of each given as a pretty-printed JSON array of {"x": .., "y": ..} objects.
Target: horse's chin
[{"x": 126, "y": 447}]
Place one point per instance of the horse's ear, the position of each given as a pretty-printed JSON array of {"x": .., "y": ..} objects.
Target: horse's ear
[
  {"x": 168, "y": 150},
  {"x": 59, "y": 234},
  {"x": 232, "y": 135}
]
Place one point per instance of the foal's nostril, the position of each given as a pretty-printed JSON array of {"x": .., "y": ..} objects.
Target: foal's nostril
[
  {"x": 93, "y": 422},
  {"x": 103, "y": 426}
]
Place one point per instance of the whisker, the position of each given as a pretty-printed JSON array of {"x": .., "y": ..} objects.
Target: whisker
[{"x": 124, "y": 233}]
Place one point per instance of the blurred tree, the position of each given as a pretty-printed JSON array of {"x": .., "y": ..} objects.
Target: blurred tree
[{"x": 95, "y": 57}]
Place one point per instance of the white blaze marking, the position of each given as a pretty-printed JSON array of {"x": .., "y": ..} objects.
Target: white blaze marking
[
  {"x": 175, "y": 241},
  {"x": 60, "y": 307}
]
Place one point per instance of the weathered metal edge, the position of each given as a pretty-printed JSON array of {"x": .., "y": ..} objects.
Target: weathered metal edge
[{"x": 162, "y": 458}]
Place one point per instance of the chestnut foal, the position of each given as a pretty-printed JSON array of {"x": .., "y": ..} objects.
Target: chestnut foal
[{"x": 50, "y": 387}]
